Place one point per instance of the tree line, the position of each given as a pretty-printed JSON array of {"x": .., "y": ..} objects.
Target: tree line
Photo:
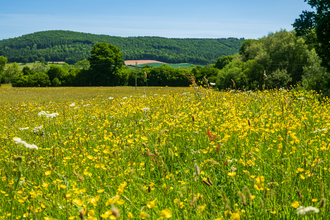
[
  {"x": 278, "y": 60},
  {"x": 72, "y": 47}
]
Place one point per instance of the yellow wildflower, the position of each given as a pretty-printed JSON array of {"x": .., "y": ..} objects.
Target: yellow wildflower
[
  {"x": 232, "y": 174},
  {"x": 166, "y": 213},
  {"x": 295, "y": 204},
  {"x": 143, "y": 214},
  {"x": 151, "y": 204}
]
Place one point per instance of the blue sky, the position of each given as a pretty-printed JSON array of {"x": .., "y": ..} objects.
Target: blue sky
[{"x": 179, "y": 19}]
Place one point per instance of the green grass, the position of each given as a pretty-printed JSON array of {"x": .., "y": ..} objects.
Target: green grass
[
  {"x": 158, "y": 153},
  {"x": 15, "y": 95}
]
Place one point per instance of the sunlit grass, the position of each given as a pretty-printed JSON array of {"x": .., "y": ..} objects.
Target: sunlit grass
[
  {"x": 14, "y": 95},
  {"x": 163, "y": 153}
]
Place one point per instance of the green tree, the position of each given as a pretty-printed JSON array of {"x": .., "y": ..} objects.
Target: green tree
[
  {"x": 209, "y": 73},
  {"x": 3, "y": 61},
  {"x": 41, "y": 80},
  {"x": 223, "y": 61},
  {"x": 82, "y": 64},
  {"x": 277, "y": 79},
  {"x": 27, "y": 71},
  {"x": 57, "y": 75},
  {"x": 10, "y": 72},
  {"x": 246, "y": 44},
  {"x": 243, "y": 75},
  {"x": 20, "y": 81},
  {"x": 320, "y": 21},
  {"x": 231, "y": 76},
  {"x": 39, "y": 67},
  {"x": 105, "y": 64},
  {"x": 315, "y": 76},
  {"x": 282, "y": 50}
]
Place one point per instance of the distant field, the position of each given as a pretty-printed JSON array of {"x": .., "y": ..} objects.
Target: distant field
[
  {"x": 155, "y": 63},
  {"x": 141, "y": 62},
  {"x": 30, "y": 65}
]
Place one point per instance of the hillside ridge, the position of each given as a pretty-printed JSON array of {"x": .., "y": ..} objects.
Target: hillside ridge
[{"x": 71, "y": 46}]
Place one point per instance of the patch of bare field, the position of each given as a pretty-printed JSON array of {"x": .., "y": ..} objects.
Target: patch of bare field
[
  {"x": 139, "y": 62},
  {"x": 59, "y": 62}
]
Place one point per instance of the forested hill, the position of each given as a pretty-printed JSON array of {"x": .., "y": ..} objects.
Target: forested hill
[{"x": 72, "y": 46}]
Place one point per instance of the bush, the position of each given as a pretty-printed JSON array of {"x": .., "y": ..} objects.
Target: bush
[
  {"x": 57, "y": 72},
  {"x": 20, "y": 81},
  {"x": 315, "y": 77},
  {"x": 279, "y": 78},
  {"x": 166, "y": 75},
  {"x": 239, "y": 74},
  {"x": 33, "y": 80},
  {"x": 56, "y": 82},
  {"x": 200, "y": 72},
  {"x": 42, "y": 80}
]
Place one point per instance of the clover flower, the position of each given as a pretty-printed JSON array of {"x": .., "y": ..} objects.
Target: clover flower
[
  {"x": 303, "y": 211},
  {"x": 19, "y": 141}
]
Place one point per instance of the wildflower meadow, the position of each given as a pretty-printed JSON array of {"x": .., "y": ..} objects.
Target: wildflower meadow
[{"x": 164, "y": 153}]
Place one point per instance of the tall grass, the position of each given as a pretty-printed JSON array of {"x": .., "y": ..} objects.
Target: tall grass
[{"x": 180, "y": 154}]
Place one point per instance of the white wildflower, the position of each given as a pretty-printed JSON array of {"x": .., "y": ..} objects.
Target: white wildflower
[
  {"x": 212, "y": 84},
  {"x": 24, "y": 128},
  {"x": 73, "y": 104},
  {"x": 303, "y": 211},
  {"x": 124, "y": 97},
  {"x": 146, "y": 109},
  {"x": 42, "y": 113},
  {"x": 232, "y": 160},
  {"x": 36, "y": 129},
  {"x": 319, "y": 130},
  {"x": 19, "y": 141},
  {"x": 111, "y": 98},
  {"x": 51, "y": 115}
]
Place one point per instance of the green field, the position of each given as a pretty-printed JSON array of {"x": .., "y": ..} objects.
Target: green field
[
  {"x": 179, "y": 65},
  {"x": 32, "y": 65}
]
